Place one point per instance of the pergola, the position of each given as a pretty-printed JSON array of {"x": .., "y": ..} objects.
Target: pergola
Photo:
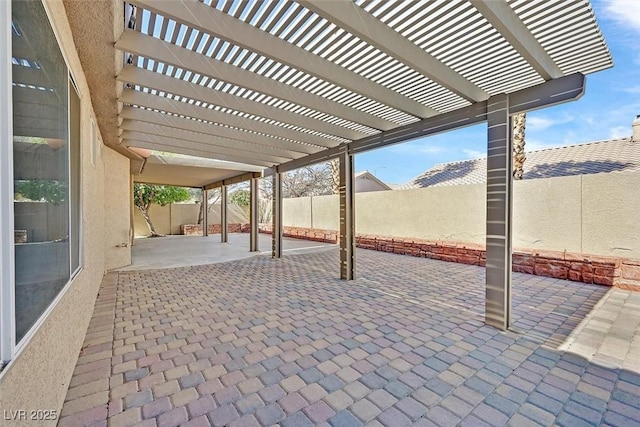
[{"x": 283, "y": 84}]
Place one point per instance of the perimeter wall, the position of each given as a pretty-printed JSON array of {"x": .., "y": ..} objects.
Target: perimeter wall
[{"x": 588, "y": 214}]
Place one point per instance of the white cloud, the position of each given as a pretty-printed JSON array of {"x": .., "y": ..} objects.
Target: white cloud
[
  {"x": 474, "y": 154},
  {"x": 619, "y": 132},
  {"x": 632, "y": 89},
  {"x": 419, "y": 148},
  {"x": 624, "y": 12},
  {"x": 539, "y": 122},
  {"x": 433, "y": 149},
  {"x": 535, "y": 145}
]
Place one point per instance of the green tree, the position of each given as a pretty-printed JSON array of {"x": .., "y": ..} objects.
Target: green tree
[
  {"x": 240, "y": 197},
  {"x": 42, "y": 190},
  {"x": 146, "y": 194}
]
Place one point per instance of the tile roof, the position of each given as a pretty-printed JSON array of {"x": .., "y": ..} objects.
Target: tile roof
[{"x": 595, "y": 157}]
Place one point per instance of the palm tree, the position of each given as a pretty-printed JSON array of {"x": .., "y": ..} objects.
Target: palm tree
[
  {"x": 334, "y": 165},
  {"x": 519, "y": 124}
]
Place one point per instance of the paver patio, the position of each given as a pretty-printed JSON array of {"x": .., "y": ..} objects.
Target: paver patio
[{"x": 264, "y": 342}]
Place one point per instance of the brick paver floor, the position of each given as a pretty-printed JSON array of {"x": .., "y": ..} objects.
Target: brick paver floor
[{"x": 262, "y": 342}]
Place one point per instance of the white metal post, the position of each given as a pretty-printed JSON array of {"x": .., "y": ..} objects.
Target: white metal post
[
  {"x": 347, "y": 218},
  {"x": 253, "y": 215},
  {"x": 499, "y": 208},
  {"x": 276, "y": 215},
  {"x": 205, "y": 213},
  {"x": 224, "y": 235}
]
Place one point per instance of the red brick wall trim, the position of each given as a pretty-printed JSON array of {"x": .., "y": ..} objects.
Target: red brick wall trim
[
  {"x": 623, "y": 273},
  {"x": 629, "y": 275},
  {"x": 326, "y": 236},
  {"x": 610, "y": 271},
  {"x": 196, "y": 229},
  {"x": 314, "y": 234}
]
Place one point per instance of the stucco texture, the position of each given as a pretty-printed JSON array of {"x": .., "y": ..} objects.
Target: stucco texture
[
  {"x": 591, "y": 214},
  {"x": 168, "y": 219},
  {"x": 38, "y": 376},
  {"x": 117, "y": 208}
]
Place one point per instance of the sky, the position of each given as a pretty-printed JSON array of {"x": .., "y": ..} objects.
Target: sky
[{"x": 611, "y": 102}]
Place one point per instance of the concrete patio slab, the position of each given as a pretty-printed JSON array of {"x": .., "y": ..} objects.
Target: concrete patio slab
[
  {"x": 184, "y": 251},
  {"x": 285, "y": 342}
]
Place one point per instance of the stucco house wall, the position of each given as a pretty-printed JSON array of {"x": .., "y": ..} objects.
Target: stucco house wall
[{"x": 38, "y": 376}]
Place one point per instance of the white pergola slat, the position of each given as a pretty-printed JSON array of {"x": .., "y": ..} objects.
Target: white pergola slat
[
  {"x": 360, "y": 23},
  {"x": 172, "y": 106},
  {"x": 208, "y": 141},
  {"x": 203, "y": 18},
  {"x": 319, "y": 74},
  {"x": 287, "y": 148},
  {"x": 189, "y": 148},
  {"x": 191, "y": 91},
  {"x": 167, "y": 53}
]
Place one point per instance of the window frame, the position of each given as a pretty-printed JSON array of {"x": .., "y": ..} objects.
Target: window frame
[
  {"x": 9, "y": 348},
  {"x": 7, "y": 252}
]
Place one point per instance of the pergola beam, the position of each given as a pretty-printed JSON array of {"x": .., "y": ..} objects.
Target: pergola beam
[
  {"x": 168, "y": 53},
  {"x": 233, "y": 180},
  {"x": 160, "y": 82},
  {"x": 553, "y": 92},
  {"x": 504, "y": 19},
  {"x": 287, "y": 148},
  {"x": 205, "y": 141},
  {"x": 308, "y": 142},
  {"x": 154, "y": 142},
  {"x": 347, "y": 15},
  {"x": 212, "y": 21}
]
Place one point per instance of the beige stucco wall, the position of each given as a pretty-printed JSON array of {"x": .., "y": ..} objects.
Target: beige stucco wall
[
  {"x": 38, "y": 376},
  {"x": 593, "y": 214},
  {"x": 183, "y": 214},
  {"x": 546, "y": 214},
  {"x": 437, "y": 213},
  {"x": 296, "y": 212},
  {"x": 326, "y": 211},
  {"x": 168, "y": 219},
  {"x": 611, "y": 214},
  {"x": 117, "y": 208}
]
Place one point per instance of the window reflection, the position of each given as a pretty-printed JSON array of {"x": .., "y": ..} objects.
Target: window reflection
[{"x": 41, "y": 164}]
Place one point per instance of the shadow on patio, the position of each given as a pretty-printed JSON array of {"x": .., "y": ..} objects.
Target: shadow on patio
[{"x": 263, "y": 342}]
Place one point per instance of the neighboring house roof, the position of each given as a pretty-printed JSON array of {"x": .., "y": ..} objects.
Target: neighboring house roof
[
  {"x": 595, "y": 157},
  {"x": 366, "y": 181}
]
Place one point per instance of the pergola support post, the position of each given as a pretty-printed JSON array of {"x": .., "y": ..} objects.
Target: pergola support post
[
  {"x": 276, "y": 215},
  {"x": 347, "y": 218},
  {"x": 253, "y": 214},
  {"x": 499, "y": 212},
  {"x": 224, "y": 235},
  {"x": 205, "y": 213}
]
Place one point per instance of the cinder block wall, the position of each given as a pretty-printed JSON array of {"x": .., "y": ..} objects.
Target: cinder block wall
[{"x": 590, "y": 214}]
